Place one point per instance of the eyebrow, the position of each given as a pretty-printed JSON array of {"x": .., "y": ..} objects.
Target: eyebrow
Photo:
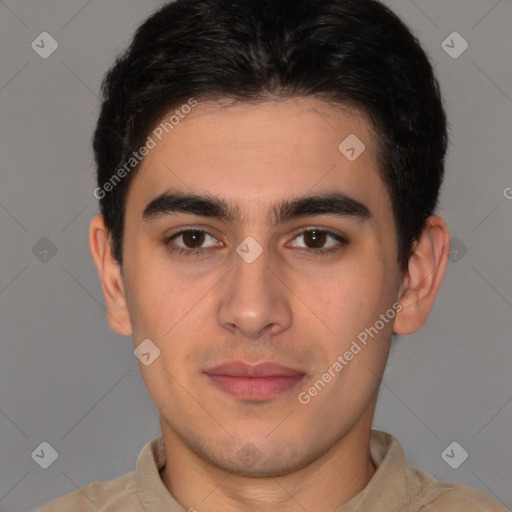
[{"x": 327, "y": 203}]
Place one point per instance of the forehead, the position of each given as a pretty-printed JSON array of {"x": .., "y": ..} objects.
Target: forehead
[{"x": 256, "y": 154}]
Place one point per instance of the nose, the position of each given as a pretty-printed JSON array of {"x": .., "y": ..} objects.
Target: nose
[{"x": 256, "y": 300}]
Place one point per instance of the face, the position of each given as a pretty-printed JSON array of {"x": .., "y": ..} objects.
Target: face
[{"x": 259, "y": 305}]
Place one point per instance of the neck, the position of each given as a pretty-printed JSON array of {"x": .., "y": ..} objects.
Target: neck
[{"x": 326, "y": 483}]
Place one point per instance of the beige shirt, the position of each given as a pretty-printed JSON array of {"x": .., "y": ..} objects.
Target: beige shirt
[{"x": 395, "y": 486}]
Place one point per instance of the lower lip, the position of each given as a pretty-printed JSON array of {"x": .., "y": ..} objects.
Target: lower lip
[{"x": 255, "y": 388}]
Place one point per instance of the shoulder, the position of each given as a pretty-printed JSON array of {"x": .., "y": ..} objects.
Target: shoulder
[
  {"x": 111, "y": 495},
  {"x": 452, "y": 496}
]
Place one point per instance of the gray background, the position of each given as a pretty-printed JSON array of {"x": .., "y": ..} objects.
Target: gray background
[{"x": 67, "y": 379}]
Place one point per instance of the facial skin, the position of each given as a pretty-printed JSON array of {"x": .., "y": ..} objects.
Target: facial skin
[{"x": 299, "y": 309}]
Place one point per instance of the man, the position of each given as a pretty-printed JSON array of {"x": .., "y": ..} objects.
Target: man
[{"x": 268, "y": 174}]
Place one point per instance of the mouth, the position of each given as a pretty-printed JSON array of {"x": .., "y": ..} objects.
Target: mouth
[{"x": 253, "y": 382}]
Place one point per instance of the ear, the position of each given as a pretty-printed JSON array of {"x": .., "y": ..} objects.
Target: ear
[
  {"x": 109, "y": 271},
  {"x": 425, "y": 272}
]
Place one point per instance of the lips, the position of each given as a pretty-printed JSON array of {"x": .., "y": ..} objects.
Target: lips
[
  {"x": 253, "y": 382},
  {"x": 241, "y": 369}
]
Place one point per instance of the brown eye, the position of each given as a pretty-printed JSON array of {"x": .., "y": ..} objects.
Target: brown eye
[
  {"x": 193, "y": 239},
  {"x": 315, "y": 239}
]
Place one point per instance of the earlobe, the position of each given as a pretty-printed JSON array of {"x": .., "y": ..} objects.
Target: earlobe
[
  {"x": 424, "y": 275},
  {"x": 111, "y": 279}
]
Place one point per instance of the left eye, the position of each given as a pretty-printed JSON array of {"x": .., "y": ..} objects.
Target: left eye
[{"x": 315, "y": 240}]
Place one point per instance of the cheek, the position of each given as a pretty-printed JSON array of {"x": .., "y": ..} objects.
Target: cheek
[
  {"x": 152, "y": 295},
  {"x": 355, "y": 294},
  {"x": 352, "y": 308},
  {"x": 175, "y": 312}
]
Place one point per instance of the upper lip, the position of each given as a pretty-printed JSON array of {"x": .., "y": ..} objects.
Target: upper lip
[{"x": 243, "y": 369}]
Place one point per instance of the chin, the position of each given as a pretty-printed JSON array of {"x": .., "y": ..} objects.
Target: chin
[
  {"x": 260, "y": 458},
  {"x": 265, "y": 468}
]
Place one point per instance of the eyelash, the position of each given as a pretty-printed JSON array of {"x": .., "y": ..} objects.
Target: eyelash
[{"x": 198, "y": 251}]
